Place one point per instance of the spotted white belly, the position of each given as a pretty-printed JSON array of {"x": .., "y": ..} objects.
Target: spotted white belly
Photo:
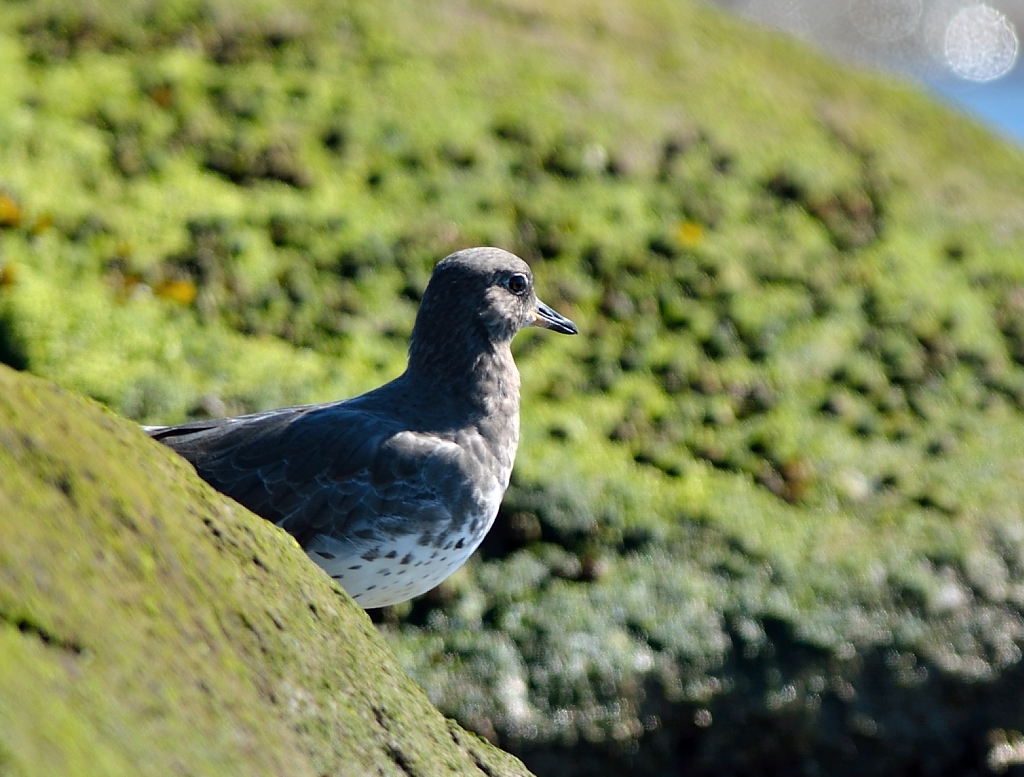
[
  {"x": 378, "y": 573},
  {"x": 389, "y": 573}
]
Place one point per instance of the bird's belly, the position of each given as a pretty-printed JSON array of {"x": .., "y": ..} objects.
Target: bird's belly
[{"x": 384, "y": 572}]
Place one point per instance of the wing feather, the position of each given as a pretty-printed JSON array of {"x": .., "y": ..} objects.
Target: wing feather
[{"x": 337, "y": 470}]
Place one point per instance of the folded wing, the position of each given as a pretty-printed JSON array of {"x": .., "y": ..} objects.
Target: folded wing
[{"x": 335, "y": 470}]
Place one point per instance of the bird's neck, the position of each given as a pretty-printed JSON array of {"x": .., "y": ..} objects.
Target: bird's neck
[{"x": 483, "y": 381}]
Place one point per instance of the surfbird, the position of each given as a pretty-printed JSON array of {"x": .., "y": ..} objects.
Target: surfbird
[{"x": 391, "y": 491}]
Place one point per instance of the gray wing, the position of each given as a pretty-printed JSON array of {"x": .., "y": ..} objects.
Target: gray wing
[{"x": 331, "y": 469}]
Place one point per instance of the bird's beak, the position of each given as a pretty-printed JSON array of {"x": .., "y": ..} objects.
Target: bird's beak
[{"x": 545, "y": 317}]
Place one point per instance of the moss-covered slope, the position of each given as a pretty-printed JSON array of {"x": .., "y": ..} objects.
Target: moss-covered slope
[
  {"x": 779, "y": 477},
  {"x": 150, "y": 627}
]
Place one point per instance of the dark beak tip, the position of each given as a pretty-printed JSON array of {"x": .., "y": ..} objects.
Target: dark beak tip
[{"x": 555, "y": 321}]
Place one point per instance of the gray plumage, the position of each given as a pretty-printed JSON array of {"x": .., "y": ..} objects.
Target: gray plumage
[{"x": 391, "y": 491}]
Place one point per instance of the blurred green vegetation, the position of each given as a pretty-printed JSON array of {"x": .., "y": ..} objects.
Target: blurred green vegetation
[{"x": 798, "y": 398}]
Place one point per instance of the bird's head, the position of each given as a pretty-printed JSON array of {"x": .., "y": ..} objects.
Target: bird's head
[{"x": 483, "y": 291}]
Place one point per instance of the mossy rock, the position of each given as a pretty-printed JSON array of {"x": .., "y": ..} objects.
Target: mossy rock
[
  {"x": 150, "y": 626},
  {"x": 779, "y": 475}
]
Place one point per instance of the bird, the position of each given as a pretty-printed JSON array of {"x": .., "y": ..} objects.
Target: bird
[{"x": 391, "y": 491}]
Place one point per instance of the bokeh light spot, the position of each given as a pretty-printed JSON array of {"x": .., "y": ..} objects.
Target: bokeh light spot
[{"x": 981, "y": 43}]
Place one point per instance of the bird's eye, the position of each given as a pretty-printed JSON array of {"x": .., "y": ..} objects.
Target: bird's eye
[{"x": 518, "y": 283}]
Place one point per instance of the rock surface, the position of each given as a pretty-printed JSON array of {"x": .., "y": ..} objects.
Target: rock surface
[{"x": 149, "y": 626}]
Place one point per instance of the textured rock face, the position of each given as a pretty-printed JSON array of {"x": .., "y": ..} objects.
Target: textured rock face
[{"x": 149, "y": 626}]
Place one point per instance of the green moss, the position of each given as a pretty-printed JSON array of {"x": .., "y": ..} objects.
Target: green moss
[{"x": 149, "y": 626}]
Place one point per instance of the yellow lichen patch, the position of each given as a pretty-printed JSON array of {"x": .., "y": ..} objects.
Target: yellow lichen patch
[
  {"x": 689, "y": 234},
  {"x": 10, "y": 211},
  {"x": 182, "y": 292}
]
